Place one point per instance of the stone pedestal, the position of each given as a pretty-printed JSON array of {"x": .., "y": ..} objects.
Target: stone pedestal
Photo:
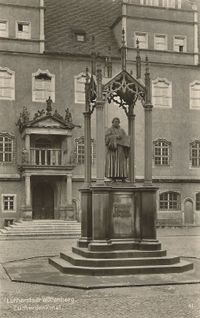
[
  {"x": 69, "y": 213},
  {"x": 118, "y": 235},
  {"x": 86, "y": 217},
  {"x": 121, "y": 212},
  {"x": 27, "y": 213}
]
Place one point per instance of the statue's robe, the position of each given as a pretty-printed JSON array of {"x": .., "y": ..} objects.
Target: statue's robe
[{"x": 117, "y": 151}]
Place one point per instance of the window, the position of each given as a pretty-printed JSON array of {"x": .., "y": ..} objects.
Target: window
[
  {"x": 6, "y": 148},
  {"x": 23, "y": 30},
  {"x": 3, "y": 28},
  {"x": 160, "y": 42},
  {"x": 195, "y": 95},
  {"x": 9, "y": 202},
  {"x": 79, "y": 83},
  {"x": 198, "y": 201},
  {"x": 151, "y": 2},
  {"x": 43, "y": 86},
  {"x": 162, "y": 93},
  {"x": 162, "y": 152},
  {"x": 7, "y": 84},
  {"x": 169, "y": 3},
  {"x": 169, "y": 201},
  {"x": 80, "y": 37},
  {"x": 180, "y": 43},
  {"x": 163, "y": 3},
  {"x": 142, "y": 38},
  {"x": 80, "y": 150},
  {"x": 195, "y": 154}
]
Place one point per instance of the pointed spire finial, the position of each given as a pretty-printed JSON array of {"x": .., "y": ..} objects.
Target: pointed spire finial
[
  {"x": 123, "y": 50},
  {"x": 87, "y": 75},
  {"x": 123, "y": 37},
  {"x": 138, "y": 60},
  {"x": 109, "y": 63},
  {"x": 147, "y": 64},
  {"x": 93, "y": 57},
  {"x": 147, "y": 81}
]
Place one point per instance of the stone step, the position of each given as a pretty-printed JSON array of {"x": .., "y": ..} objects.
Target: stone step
[
  {"x": 67, "y": 268},
  {"x": 43, "y": 224},
  {"x": 43, "y": 231},
  {"x": 47, "y": 221},
  {"x": 32, "y": 223},
  {"x": 41, "y": 228},
  {"x": 40, "y": 232},
  {"x": 78, "y": 260},
  {"x": 129, "y": 244},
  {"x": 118, "y": 254},
  {"x": 45, "y": 228},
  {"x": 38, "y": 237}
]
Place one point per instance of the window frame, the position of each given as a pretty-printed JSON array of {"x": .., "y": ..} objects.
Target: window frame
[
  {"x": 196, "y": 82},
  {"x": 197, "y": 201},
  {"x": 11, "y": 137},
  {"x": 80, "y": 34},
  {"x": 167, "y": 145},
  {"x": 166, "y": 4},
  {"x": 166, "y": 41},
  {"x": 81, "y": 142},
  {"x": 197, "y": 157},
  {"x": 12, "y": 83},
  {"x": 146, "y": 40},
  {"x": 3, "y": 195},
  {"x": 34, "y": 89},
  {"x": 5, "y": 33},
  {"x": 169, "y": 83},
  {"x": 185, "y": 43},
  {"x": 76, "y": 92},
  {"x": 21, "y": 34},
  {"x": 170, "y": 202},
  {"x": 152, "y": 4}
]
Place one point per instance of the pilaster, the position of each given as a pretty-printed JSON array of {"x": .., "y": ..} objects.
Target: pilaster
[{"x": 27, "y": 214}]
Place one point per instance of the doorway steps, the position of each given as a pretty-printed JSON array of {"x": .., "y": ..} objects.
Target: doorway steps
[{"x": 41, "y": 229}]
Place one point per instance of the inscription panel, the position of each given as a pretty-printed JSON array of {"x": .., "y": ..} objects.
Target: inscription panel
[{"x": 122, "y": 215}]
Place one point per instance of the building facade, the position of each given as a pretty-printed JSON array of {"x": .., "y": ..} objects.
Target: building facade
[{"x": 44, "y": 51}]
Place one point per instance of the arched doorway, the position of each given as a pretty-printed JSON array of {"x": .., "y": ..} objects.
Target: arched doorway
[
  {"x": 188, "y": 212},
  {"x": 43, "y": 201}
]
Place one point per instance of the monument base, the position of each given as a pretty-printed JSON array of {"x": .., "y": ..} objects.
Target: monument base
[
  {"x": 119, "y": 235},
  {"x": 115, "y": 261}
]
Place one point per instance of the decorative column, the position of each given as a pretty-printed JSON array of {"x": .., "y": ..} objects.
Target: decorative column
[
  {"x": 28, "y": 209},
  {"x": 70, "y": 212},
  {"x": 131, "y": 131},
  {"x": 86, "y": 194},
  {"x": 69, "y": 189},
  {"x": 148, "y": 129},
  {"x": 100, "y": 134},
  {"x": 87, "y": 132},
  {"x": 27, "y": 147},
  {"x": 100, "y": 194}
]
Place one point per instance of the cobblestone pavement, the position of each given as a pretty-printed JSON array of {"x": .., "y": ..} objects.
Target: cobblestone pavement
[{"x": 28, "y": 301}]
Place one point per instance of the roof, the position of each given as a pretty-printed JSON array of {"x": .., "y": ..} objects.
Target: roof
[{"x": 64, "y": 18}]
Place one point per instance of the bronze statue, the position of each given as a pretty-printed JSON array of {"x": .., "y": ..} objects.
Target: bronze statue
[{"x": 117, "y": 146}]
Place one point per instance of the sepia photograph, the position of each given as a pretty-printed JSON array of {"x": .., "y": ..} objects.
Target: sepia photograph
[{"x": 99, "y": 158}]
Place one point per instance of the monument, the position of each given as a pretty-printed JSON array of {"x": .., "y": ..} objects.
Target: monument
[{"x": 118, "y": 235}]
